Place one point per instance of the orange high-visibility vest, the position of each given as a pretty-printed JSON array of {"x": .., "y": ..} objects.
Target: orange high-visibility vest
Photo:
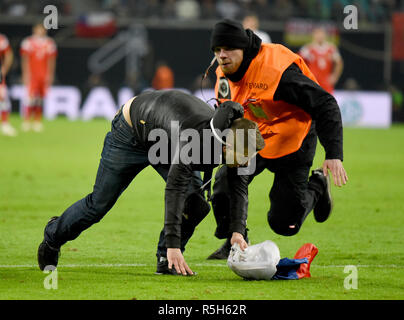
[{"x": 283, "y": 125}]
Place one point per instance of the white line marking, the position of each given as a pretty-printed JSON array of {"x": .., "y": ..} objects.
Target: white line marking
[{"x": 119, "y": 265}]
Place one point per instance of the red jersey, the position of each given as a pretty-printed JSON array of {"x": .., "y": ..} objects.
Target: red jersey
[
  {"x": 4, "y": 47},
  {"x": 320, "y": 59},
  {"x": 38, "y": 50}
]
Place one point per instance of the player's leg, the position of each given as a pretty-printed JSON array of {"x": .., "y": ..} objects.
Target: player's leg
[
  {"x": 38, "y": 107},
  {"x": 32, "y": 92},
  {"x": 6, "y": 127},
  {"x": 37, "y": 110}
]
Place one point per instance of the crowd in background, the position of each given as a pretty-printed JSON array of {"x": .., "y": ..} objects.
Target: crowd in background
[{"x": 371, "y": 11}]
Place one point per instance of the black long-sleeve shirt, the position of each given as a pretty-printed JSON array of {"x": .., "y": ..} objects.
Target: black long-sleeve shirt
[
  {"x": 297, "y": 89},
  {"x": 170, "y": 111}
]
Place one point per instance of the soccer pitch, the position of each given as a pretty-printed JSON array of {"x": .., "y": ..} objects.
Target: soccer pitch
[{"x": 41, "y": 174}]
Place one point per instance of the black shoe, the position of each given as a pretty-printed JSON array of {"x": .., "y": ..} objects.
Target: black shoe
[
  {"x": 47, "y": 255},
  {"x": 324, "y": 205},
  {"x": 221, "y": 253},
  {"x": 162, "y": 267}
]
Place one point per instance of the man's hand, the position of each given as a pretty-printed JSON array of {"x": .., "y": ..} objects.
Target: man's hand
[
  {"x": 337, "y": 170},
  {"x": 175, "y": 257},
  {"x": 238, "y": 238}
]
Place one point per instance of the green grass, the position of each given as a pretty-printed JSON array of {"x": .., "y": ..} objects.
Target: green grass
[{"x": 41, "y": 174}]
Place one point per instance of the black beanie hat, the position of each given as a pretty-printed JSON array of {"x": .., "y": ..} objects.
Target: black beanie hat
[{"x": 229, "y": 33}]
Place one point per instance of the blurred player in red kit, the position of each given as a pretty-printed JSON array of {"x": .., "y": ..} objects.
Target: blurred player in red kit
[
  {"x": 323, "y": 59},
  {"x": 38, "y": 53},
  {"x": 6, "y": 60}
]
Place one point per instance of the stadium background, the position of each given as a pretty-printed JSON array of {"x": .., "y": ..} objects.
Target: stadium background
[
  {"x": 177, "y": 32},
  {"x": 42, "y": 174}
]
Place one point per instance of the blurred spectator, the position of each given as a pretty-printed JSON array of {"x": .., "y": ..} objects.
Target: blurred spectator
[
  {"x": 351, "y": 84},
  {"x": 153, "y": 9},
  {"x": 163, "y": 77},
  {"x": 81, "y": 7},
  {"x": 228, "y": 9},
  {"x": 208, "y": 9},
  {"x": 376, "y": 12},
  {"x": 17, "y": 8},
  {"x": 168, "y": 9},
  {"x": 187, "y": 9},
  {"x": 371, "y": 11},
  {"x": 262, "y": 9},
  {"x": 282, "y": 10},
  {"x": 145, "y": 8},
  {"x": 251, "y": 21}
]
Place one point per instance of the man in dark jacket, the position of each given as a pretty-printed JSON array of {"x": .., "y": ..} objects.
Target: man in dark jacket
[
  {"x": 160, "y": 128},
  {"x": 279, "y": 92}
]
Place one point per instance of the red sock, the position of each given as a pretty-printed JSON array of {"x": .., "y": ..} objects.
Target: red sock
[
  {"x": 37, "y": 113},
  {"x": 4, "y": 116},
  {"x": 28, "y": 113}
]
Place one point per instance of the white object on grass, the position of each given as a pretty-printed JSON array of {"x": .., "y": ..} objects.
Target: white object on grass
[{"x": 257, "y": 262}]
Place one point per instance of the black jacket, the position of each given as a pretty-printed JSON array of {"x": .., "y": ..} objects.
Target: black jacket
[
  {"x": 172, "y": 113},
  {"x": 297, "y": 89}
]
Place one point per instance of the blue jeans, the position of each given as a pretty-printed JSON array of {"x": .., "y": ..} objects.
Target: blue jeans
[{"x": 122, "y": 158}]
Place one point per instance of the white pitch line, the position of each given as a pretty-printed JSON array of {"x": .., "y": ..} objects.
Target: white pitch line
[{"x": 119, "y": 265}]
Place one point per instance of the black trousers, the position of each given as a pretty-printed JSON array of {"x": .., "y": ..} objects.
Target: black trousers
[{"x": 292, "y": 196}]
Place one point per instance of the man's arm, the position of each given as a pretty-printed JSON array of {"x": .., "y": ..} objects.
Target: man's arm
[
  {"x": 297, "y": 89},
  {"x": 338, "y": 67},
  {"x": 7, "y": 62},
  {"x": 238, "y": 206},
  {"x": 179, "y": 177},
  {"x": 25, "y": 70},
  {"x": 51, "y": 70}
]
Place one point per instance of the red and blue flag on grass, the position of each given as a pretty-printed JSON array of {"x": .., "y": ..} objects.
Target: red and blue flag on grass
[{"x": 298, "y": 267}]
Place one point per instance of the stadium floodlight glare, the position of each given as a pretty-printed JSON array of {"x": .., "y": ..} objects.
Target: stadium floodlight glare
[{"x": 257, "y": 262}]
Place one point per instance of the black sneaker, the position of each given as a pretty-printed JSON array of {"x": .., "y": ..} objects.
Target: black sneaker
[
  {"x": 162, "y": 267},
  {"x": 324, "y": 205},
  {"x": 47, "y": 255},
  {"x": 221, "y": 253}
]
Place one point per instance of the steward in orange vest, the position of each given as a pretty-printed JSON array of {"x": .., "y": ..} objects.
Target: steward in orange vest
[
  {"x": 283, "y": 125},
  {"x": 279, "y": 92}
]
